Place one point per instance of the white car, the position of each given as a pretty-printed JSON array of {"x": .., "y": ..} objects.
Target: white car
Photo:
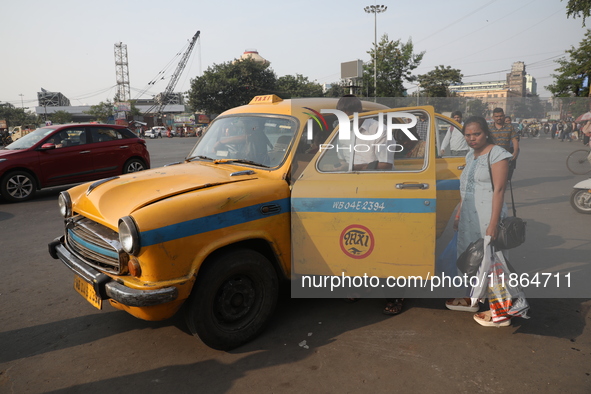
[{"x": 156, "y": 131}]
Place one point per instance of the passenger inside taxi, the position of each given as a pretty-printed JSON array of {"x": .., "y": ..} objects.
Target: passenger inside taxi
[
  {"x": 250, "y": 142},
  {"x": 374, "y": 156}
]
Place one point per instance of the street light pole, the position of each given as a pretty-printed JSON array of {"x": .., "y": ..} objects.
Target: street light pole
[{"x": 375, "y": 10}]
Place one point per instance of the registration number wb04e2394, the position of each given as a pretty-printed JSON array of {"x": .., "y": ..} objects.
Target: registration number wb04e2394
[
  {"x": 359, "y": 205},
  {"x": 87, "y": 291}
]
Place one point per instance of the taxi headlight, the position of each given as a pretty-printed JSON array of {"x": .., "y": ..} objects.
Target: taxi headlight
[
  {"x": 65, "y": 204},
  {"x": 129, "y": 235}
]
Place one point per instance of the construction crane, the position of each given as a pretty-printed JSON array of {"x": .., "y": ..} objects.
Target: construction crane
[{"x": 164, "y": 98}]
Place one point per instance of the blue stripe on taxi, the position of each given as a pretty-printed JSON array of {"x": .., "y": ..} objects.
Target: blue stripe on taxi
[{"x": 212, "y": 222}]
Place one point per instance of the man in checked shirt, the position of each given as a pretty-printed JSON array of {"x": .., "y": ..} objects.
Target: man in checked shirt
[{"x": 422, "y": 127}]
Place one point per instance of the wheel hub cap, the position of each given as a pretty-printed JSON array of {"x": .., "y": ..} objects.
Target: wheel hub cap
[
  {"x": 236, "y": 298},
  {"x": 19, "y": 186}
]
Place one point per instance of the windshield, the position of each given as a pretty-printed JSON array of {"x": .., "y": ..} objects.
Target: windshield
[
  {"x": 30, "y": 139},
  {"x": 257, "y": 140}
]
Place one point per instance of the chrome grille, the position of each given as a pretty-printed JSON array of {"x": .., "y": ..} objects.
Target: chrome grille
[{"x": 96, "y": 244}]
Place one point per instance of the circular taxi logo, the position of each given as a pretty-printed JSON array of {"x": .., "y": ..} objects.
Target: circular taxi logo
[{"x": 357, "y": 241}]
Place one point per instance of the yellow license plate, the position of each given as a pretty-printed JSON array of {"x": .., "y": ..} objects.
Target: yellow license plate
[{"x": 87, "y": 291}]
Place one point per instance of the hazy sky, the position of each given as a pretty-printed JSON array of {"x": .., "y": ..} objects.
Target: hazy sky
[{"x": 68, "y": 46}]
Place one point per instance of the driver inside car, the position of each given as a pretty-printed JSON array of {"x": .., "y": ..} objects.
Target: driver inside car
[
  {"x": 250, "y": 142},
  {"x": 58, "y": 139}
]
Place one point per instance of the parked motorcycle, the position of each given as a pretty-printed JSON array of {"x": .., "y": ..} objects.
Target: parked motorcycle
[
  {"x": 580, "y": 198},
  {"x": 5, "y": 139}
]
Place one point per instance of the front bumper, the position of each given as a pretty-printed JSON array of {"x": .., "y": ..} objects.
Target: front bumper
[{"x": 105, "y": 286}]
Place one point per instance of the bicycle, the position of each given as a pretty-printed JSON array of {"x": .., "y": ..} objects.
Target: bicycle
[{"x": 579, "y": 162}]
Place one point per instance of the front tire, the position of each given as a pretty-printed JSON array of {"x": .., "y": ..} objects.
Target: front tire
[
  {"x": 18, "y": 186},
  {"x": 577, "y": 162},
  {"x": 580, "y": 200},
  {"x": 133, "y": 165},
  {"x": 232, "y": 300}
]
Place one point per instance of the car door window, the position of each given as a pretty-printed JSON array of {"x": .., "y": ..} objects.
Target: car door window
[
  {"x": 399, "y": 153},
  {"x": 450, "y": 140},
  {"x": 70, "y": 137},
  {"x": 102, "y": 134}
]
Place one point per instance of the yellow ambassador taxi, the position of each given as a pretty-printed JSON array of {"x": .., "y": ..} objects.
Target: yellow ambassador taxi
[{"x": 261, "y": 197}]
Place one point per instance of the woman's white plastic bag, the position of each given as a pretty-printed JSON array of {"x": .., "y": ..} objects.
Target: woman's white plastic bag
[{"x": 494, "y": 282}]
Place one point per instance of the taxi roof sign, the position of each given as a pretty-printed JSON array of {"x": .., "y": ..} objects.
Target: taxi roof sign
[{"x": 266, "y": 99}]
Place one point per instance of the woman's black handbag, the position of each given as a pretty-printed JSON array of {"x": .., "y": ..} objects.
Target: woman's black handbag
[
  {"x": 511, "y": 233},
  {"x": 511, "y": 229},
  {"x": 471, "y": 258}
]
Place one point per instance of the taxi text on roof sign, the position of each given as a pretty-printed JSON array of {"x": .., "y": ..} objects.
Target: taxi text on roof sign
[{"x": 266, "y": 99}]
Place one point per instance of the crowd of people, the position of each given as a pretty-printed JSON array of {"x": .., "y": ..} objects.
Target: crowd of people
[
  {"x": 169, "y": 132},
  {"x": 562, "y": 130}
]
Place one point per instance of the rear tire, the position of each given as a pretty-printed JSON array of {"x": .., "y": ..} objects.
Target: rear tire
[
  {"x": 18, "y": 186},
  {"x": 232, "y": 300},
  {"x": 580, "y": 200}
]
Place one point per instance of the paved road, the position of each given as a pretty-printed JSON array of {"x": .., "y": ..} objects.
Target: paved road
[{"x": 51, "y": 340}]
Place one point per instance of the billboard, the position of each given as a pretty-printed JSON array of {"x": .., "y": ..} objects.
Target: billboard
[{"x": 352, "y": 69}]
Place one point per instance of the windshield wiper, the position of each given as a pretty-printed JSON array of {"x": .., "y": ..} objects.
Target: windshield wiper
[
  {"x": 199, "y": 157},
  {"x": 221, "y": 161}
]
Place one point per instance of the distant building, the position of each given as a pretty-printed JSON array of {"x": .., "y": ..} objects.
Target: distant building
[
  {"x": 516, "y": 79},
  {"x": 500, "y": 93},
  {"x": 173, "y": 98},
  {"x": 531, "y": 86},
  {"x": 79, "y": 113},
  {"x": 52, "y": 99},
  {"x": 254, "y": 55}
]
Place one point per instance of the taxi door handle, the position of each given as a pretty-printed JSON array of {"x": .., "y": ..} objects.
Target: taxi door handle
[
  {"x": 421, "y": 186},
  {"x": 84, "y": 151},
  {"x": 124, "y": 146},
  {"x": 461, "y": 167}
]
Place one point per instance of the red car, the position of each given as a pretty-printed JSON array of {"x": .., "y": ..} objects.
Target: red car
[{"x": 63, "y": 154}]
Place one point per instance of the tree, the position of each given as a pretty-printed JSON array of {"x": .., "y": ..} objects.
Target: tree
[
  {"x": 436, "y": 82},
  {"x": 102, "y": 111},
  {"x": 230, "y": 84},
  {"x": 134, "y": 110},
  {"x": 578, "y": 8},
  {"x": 337, "y": 89},
  {"x": 17, "y": 116},
  {"x": 573, "y": 74},
  {"x": 289, "y": 86},
  {"x": 529, "y": 107},
  {"x": 476, "y": 108},
  {"x": 60, "y": 117},
  {"x": 395, "y": 61}
]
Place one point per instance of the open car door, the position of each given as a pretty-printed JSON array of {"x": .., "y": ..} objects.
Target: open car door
[{"x": 351, "y": 218}]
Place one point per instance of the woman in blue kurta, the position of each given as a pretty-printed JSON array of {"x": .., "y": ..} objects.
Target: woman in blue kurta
[{"x": 481, "y": 208}]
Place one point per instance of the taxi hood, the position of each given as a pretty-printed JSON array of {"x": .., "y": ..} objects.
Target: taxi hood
[{"x": 109, "y": 199}]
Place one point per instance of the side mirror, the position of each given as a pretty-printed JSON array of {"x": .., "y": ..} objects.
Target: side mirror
[{"x": 47, "y": 147}]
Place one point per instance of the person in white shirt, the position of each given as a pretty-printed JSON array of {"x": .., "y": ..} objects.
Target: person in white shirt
[
  {"x": 368, "y": 155},
  {"x": 454, "y": 142}
]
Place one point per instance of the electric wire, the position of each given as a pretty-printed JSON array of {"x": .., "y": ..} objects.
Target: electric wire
[{"x": 458, "y": 20}]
